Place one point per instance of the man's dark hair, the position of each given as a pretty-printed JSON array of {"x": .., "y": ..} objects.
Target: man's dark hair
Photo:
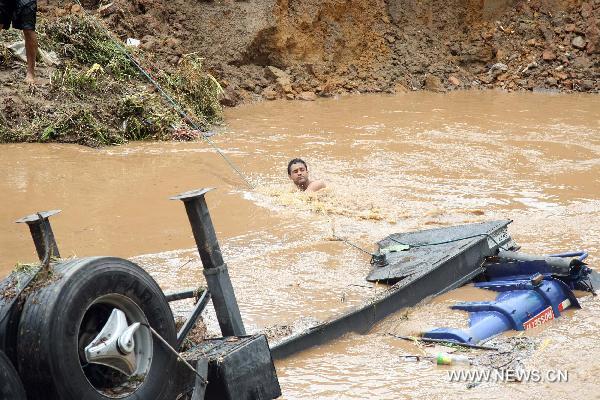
[{"x": 296, "y": 161}]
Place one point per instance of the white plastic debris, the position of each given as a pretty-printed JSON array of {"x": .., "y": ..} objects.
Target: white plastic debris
[
  {"x": 48, "y": 57},
  {"x": 132, "y": 42}
]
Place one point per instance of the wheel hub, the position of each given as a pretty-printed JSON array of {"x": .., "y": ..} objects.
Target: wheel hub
[{"x": 115, "y": 344}]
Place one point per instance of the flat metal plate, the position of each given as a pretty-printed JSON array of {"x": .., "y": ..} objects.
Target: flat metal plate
[
  {"x": 34, "y": 217},
  {"x": 433, "y": 250},
  {"x": 191, "y": 194}
]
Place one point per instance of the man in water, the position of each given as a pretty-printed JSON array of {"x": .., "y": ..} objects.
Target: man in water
[
  {"x": 22, "y": 14},
  {"x": 298, "y": 173}
]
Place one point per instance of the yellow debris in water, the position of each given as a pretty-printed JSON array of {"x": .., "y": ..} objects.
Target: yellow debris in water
[{"x": 328, "y": 201}]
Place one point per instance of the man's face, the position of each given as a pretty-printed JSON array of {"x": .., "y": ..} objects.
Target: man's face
[{"x": 299, "y": 174}]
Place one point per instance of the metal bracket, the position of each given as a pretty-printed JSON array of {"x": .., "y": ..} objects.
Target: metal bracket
[
  {"x": 36, "y": 227},
  {"x": 191, "y": 321},
  {"x": 215, "y": 269}
]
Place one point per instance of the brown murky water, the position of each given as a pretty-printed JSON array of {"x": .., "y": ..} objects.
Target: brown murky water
[{"x": 392, "y": 163}]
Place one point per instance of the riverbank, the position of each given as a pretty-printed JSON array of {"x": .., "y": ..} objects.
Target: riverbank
[
  {"x": 90, "y": 92},
  {"x": 276, "y": 49},
  {"x": 268, "y": 49}
]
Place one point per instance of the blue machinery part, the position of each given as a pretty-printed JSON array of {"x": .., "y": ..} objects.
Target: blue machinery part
[
  {"x": 581, "y": 255},
  {"x": 529, "y": 295},
  {"x": 568, "y": 267},
  {"x": 426, "y": 269}
]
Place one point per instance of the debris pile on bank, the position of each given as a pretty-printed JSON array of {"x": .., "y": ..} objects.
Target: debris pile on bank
[
  {"x": 273, "y": 49},
  {"x": 95, "y": 96}
]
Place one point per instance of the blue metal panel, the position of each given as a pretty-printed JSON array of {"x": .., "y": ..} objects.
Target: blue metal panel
[{"x": 521, "y": 303}]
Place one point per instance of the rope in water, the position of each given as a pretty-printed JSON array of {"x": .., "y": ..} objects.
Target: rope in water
[
  {"x": 353, "y": 245},
  {"x": 423, "y": 244},
  {"x": 176, "y": 106}
]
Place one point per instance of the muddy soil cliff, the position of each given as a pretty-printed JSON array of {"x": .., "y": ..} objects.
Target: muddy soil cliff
[
  {"x": 270, "y": 49},
  {"x": 266, "y": 49}
]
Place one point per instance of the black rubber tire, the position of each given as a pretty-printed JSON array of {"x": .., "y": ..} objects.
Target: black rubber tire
[
  {"x": 9, "y": 319},
  {"x": 11, "y": 387},
  {"x": 48, "y": 358},
  {"x": 10, "y": 311}
]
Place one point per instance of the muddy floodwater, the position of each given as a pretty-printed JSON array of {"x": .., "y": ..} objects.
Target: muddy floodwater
[{"x": 392, "y": 164}]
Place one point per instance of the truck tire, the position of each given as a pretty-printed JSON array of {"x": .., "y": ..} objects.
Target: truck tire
[
  {"x": 11, "y": 387},
  {"x": 10, "y": 310},
  {"x": 65, "y": 314}
]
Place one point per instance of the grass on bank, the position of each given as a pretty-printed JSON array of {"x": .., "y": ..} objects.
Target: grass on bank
[{"x": 97, "y": 97}]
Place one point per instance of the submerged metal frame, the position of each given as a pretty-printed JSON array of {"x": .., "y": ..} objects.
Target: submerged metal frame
[
  {"x": 40, "y": 228},
  {"x": 215, "y": 269},
  {"x": 453, "y": 272}
]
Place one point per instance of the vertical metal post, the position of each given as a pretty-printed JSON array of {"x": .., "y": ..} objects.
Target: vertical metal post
[
  {"x": 215, "y": 269},
  {"x": 200, "y": 384},
  {"x": 36, "y": 227}
]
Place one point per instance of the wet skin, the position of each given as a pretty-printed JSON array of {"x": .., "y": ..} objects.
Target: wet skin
[{"x": 299, "y": 175}]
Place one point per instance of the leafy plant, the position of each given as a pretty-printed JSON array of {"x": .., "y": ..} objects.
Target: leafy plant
[
  {"x": 84, "y": 39},
  {"x": 75, "y": 82},
  {"x": 196, "y": 89},
  {"x": 143, "y": 116},
  {"x": 79, "y": 126}
]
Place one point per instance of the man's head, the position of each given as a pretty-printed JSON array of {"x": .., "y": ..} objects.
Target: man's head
[{"x": 298, "y": 173}]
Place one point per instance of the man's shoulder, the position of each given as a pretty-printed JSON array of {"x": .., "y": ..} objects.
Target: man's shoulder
[{"x": 316, "y": 185}]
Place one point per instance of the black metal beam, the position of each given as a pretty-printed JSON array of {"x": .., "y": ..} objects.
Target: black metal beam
[
  {"x": 453, "y": 272},
  {"x": 182, "y": 295},
  {"x": 191, "y": 321},
  {"x": 215, "y": 270},
  {"x": 36, "y": 228}
]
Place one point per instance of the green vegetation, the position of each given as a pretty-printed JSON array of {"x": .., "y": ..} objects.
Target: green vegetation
[
  {"x": 26, "y": 268},
  {"x": 3, "y": 123},
  {"x": 86, "y": 41},
  {"x": 197, "y": 89},
  {"x": 97, "y": 97},
  {"x": 5, "y": 56},
  {"x": 78, "y": 83},
  {"x": 10, "y": 36},
  {"x": 42, "y": 276},
  {"x": 144, "y": 116},
  {"x": 79, "y": 126}
]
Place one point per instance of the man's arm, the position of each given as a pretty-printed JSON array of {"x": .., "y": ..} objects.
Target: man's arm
[{"x": 315, "y": 186}]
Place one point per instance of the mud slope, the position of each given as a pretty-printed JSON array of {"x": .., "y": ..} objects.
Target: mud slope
[
  {"x": 299, "y": 48},
  {"x": 294, "y": 49}
]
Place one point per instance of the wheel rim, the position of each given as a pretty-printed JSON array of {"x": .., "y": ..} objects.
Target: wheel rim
[{"x": 108, "y": 381}]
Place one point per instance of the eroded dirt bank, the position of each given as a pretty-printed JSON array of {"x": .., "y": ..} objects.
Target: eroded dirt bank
[
  {"x": 265, "y": 49},
  {"x": 269, "y": 49}
]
